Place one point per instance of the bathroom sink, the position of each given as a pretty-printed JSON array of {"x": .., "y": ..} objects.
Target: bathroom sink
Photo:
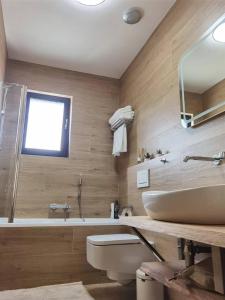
[{"x": 203, "y": 205}]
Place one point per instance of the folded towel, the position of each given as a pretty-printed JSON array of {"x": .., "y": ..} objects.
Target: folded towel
[
  {"x": 118, "y": 123},
  {"x": 121, "y": 113},
  {"x": 127, "y": 118},
  {"x": 120, "y": 140}
]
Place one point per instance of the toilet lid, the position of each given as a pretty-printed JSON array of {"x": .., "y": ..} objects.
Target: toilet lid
[{"x": 113, "y": 239}]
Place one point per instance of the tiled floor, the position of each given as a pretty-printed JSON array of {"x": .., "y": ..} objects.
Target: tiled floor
[{"x": 112, "y": 291}]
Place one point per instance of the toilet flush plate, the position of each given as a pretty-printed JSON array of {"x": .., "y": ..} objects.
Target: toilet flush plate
[{"x": 143, "y": 178}]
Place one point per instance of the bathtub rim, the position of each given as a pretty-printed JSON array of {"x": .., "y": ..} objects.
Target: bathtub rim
[{"x": 45, "y": 222}]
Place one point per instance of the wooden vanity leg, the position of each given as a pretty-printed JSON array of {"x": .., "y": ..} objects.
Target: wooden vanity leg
[{"x": 218, "y": 260}]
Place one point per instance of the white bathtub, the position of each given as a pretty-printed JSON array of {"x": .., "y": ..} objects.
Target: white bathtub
[{"x": 58, "y": 222}]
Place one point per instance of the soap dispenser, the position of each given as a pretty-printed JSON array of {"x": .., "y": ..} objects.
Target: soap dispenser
[{"x": 116, "y": 209}]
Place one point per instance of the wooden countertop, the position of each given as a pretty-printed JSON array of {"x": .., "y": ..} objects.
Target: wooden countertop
[{"x": 208, "y": 234}]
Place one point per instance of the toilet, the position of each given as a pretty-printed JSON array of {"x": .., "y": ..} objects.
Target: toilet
[{"x": 120, "y": 255}]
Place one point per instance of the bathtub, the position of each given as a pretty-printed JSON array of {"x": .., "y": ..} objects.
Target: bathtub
[{"x": 58, "y": 222}]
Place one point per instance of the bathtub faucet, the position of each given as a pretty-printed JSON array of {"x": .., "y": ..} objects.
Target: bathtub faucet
[{"x": 65, "y": 207}]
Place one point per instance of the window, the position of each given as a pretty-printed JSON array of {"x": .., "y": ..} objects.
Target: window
[{"x": 46, "y": 128}]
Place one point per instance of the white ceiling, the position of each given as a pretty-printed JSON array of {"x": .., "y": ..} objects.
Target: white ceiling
[
  {"x": 204, "y": 66},
  {"x": 68, "y": 35}
]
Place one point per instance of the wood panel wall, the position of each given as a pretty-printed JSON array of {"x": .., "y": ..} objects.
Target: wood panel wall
[
  {"x": 151, "y": 86},
  {"x": 197, "y": 103},
  {"x": 33, "y": 257},
  {"x": 45, "y": 180},
  {"x": 193, "y": 103},
  {"x": 214, "y": 95}
]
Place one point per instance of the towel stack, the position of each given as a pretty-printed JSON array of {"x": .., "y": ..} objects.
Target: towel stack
[
  {"x": 118, "y": 123},
  {"x": 122, "y": 116}
]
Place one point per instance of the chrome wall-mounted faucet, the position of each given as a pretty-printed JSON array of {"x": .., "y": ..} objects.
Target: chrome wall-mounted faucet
[
  {"x": 216, "y": 159},
  {"x": 65, "y": 207}
]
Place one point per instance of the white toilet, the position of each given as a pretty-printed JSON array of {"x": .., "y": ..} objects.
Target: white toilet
[{"x": 120, "y": 255}]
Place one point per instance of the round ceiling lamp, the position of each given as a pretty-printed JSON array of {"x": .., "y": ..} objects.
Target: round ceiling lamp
[
  {"x": 219, "y": 33},
  {"x": 90, "y": 2}
]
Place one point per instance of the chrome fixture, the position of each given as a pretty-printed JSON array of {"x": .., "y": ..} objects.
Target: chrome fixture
[
  {"x": 79, "y": 197},
  {"x": 55, "y": 206},
  {"x": 133, "y": 15},
  {"x": 216, "y": 159},
  {"x": 65, "y": 207},
  {"x": 164, "y": 161}
]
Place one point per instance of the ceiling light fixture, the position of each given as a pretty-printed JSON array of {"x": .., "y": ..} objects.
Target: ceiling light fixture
[
  {"x": 90, "y": 2},
  {"x": 219, "y": 33}
]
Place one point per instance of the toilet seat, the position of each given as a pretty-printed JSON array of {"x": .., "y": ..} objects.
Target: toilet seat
[{"x": 113, "y": 239}]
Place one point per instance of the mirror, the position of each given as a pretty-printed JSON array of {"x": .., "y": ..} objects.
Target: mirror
[{"x": 202, "y": 79}]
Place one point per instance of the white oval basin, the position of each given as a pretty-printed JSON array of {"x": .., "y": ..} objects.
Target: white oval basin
[{"x": 203, "y": 205}]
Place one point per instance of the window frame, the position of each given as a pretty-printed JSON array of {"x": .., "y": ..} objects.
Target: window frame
[{"x": 65, "y": 138}]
